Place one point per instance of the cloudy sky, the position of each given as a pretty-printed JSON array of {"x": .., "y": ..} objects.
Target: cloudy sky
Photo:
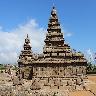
[{"x": 21, "y": 17}]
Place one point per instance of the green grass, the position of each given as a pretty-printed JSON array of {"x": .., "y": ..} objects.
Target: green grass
[
  {"x": 15, "y": 68},
  {"x": 2, "y": 67}
]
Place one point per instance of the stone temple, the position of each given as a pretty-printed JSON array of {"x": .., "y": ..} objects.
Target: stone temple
[{"x": 58, "y": 66}]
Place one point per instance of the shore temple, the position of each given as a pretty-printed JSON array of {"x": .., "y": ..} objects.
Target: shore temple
[{"x": 58, "y": 66}]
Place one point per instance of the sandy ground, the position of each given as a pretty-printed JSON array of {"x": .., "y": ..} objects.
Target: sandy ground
[
  {"x": 81, "y": 93},
  {"x": 91, "y": 86},
  {"x": 90, "y": 83}
]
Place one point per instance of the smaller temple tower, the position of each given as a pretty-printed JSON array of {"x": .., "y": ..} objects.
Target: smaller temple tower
[
  {"x": 25, "y": 59},
  {"x": 26, "y": 55}
]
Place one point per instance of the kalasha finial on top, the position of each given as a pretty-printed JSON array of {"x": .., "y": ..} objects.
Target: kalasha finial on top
[
  {"x": 27, "y": 36},
  {"x": 27, "y": 39},
  {"x": 53, "y": 10}
]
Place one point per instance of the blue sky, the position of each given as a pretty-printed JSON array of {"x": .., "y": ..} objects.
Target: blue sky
[{"x": 77, "y": 17}]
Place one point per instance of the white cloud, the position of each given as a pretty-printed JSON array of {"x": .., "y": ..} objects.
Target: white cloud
[
  {"x": 11, "y": 43},
  {"x": 66, "y": 33},
  {"x": 90, "y": 55}
]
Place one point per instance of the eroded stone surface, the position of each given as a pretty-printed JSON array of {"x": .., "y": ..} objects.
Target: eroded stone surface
[{"x": 58, "y": 66}]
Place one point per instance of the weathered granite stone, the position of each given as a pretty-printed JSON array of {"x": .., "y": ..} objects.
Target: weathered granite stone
[
  {"x": 17, "y": 81},
  {"x": 57, "y": 65}
]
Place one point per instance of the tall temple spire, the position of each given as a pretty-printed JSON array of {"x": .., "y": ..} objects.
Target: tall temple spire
[
  {"x": 55, "y": 47},
  {"x": 54, "y": 36}
]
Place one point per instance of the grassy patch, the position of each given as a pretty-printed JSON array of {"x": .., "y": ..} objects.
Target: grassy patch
[{"x": 2, "y": 67}]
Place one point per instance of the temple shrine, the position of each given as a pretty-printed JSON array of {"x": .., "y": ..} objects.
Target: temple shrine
[{"x": 58, "y": 66}]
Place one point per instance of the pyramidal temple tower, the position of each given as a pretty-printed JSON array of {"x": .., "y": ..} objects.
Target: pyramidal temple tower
[
  {"x": 26, "y": 55},
  {"x": 58, "y": 66},
  {"x": 54, "y": 42},
  {"x": 57, "y": 53}
]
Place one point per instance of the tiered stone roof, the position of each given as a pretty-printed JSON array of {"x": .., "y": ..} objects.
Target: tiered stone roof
[
  {"x": 26, "y": 56},
  {"x": 55, "y": 49}
]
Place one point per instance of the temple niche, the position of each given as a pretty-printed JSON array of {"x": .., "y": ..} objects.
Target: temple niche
[{"x": 58, "y": 66}]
